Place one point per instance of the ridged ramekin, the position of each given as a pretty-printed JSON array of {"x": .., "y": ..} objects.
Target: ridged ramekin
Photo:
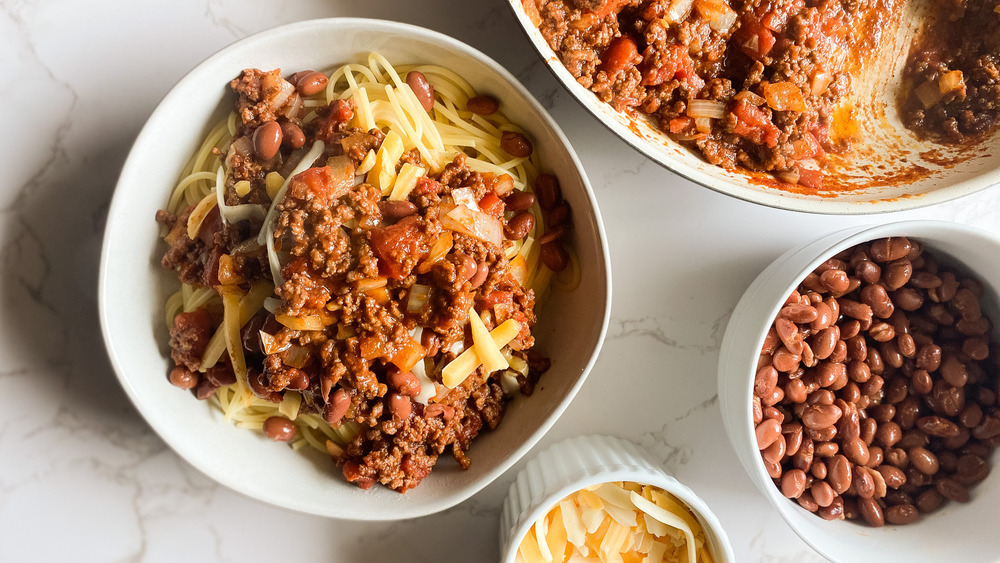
[{"x": 583, "y": 461}]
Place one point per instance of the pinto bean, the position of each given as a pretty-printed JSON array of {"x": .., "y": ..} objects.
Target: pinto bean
[
  {"x": 515, "y": 144},
  {"x": 292, "y": 135},
  {"x": 482, "y": 105},
  {"x": 422, "y": 89},
  {"x": 280, "y": 429},
  {"x": 520, "y": 225},
  {"x": 311, "y": 83},
  {"x": 519, "y": 201},
  {"x": 267, "y": 140}
]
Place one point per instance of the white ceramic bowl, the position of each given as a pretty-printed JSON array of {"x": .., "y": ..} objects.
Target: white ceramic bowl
[
  {"x": 883, "y": 172},
  {"x": 570, "y": 465},
  {"x": 133, "y": 286},
  {"x": 956, "y": 532}
]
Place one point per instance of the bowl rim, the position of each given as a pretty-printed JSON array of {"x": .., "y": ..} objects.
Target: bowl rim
[
  {"x": 742, "y": 436},
  {"x": 776, "y": 199},
  {"x": 373, "y": 25}
]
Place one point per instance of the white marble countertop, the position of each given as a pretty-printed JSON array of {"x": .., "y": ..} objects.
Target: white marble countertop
[{"x": 83, "y": 478}]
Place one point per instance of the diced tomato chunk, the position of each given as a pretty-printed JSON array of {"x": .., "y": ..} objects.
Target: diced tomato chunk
[
  {"x": 810, "y": 178},
  {"x": 311, "y": 184},
  {"x": 753, "y": 123},
  {"x": 807, "y": 147},
  {"x": 676, "y": 64},
  {"x": 393, "y": 244},
  {"x": 680, "y": 125},
  {"x": 492, "y": 205},
  {"x": 754, "y": 39},
  {"x": 496, "y": 297},
  {"x": 408, "y": 355},
  {"x": 427, "y": 186},
  {"x": 620, "y": 53},
  {"x": 610, "y": 7},
  {"x": 339, "y": 113},
  {"x": 777, "y": 19}
]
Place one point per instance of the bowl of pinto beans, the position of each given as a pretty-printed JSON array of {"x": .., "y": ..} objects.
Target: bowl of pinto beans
[
  {"x": 858, "y": 381},
  {"x": 813, "y": 107}
]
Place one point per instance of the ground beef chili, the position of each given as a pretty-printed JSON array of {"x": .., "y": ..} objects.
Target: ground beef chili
[
  {"x": 347, "y": 331},
  {"x": 954, "y": 72},
  {"x": 750, "y": 84},
  {"x": 754, "y": 83}
]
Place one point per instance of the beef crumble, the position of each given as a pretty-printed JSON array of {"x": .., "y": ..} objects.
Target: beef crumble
[{"x": 954, "y": 73}]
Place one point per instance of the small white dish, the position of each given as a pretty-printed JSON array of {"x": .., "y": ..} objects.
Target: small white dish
[
  {"x": 575, "y": 463},
  {"x": 956, "y": 532},
  {"x": 133, "y": 286}
]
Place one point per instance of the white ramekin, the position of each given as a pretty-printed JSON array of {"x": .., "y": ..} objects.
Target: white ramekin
[{"x": 582, "y": 461}]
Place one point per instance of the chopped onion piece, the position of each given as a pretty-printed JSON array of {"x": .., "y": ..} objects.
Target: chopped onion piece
[
  {"x": 951, "y": 81},
  {"x": 706, "y": 108},
  {"x": 820, "y": 82},
  {"x": 233, "y": 213},
  {"x": 272, "y": 304},
  {"x": 305, "y": 322},
  {"x": 271, "y": 344},
  {"x": 783, "y": 96},
  {"x": 790, "y": 176},
  {"x": 442, "y": 245},
  {"x": 419, "y": 294},
  {"x": 466, "y": 197},
  {"x": 427, "y": 389},
  {"x": 508, "y": 382},
  {"x": 750, "y": 98},
  {"x": 719, "y": 15},
  {"x": 296, "y": 357},
  {"x": 929, "y": 93},
  {"x": 678, "y": 11},
  {"x": 474, "y": 224}
]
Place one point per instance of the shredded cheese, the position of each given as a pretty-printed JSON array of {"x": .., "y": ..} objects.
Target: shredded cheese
[
  {"x": 383, "y": 173},
  {"x": 486, "y": 349},
  {"x": 367, "y": 163},
  {"x": 591, "y": 525},
  {"x": 272, "y": 183},
  {"x": 406, "y": 181},
  {"x": 461, "y": 367}
]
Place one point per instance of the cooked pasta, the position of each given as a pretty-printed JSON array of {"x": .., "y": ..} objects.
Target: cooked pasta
[{"x": 366, "y": 130}]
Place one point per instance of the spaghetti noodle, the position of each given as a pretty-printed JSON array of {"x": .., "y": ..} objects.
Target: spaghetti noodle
[{"x": 362, "y": 258}]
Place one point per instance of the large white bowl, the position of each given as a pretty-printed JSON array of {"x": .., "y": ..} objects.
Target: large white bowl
[
  {"x": 956, "y": 532},
  {"x": 888, "y": 168},
  {"x": 133, "y": 286},
  {"x": 568, "y": 466}
]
